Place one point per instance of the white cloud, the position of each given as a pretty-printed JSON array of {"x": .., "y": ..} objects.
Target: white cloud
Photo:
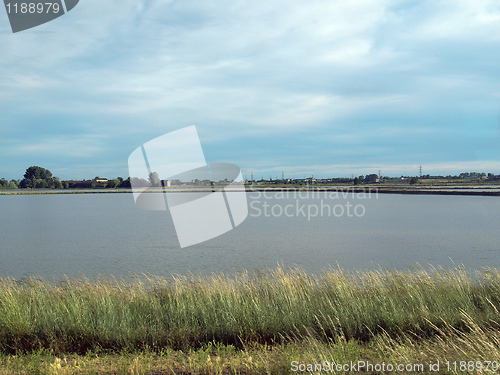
[
  {"x": 251, "y": 70},
  {"x": 63, "y": 146}
]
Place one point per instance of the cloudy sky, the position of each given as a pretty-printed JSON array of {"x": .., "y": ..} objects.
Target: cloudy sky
[{"x": 323, "y": 88}]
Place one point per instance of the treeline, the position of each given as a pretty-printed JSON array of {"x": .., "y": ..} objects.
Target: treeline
[
  {"x": 464, "y": 175},
  {"x": 37, "y": 177},
  {"x": 12, "y": 184},
  {"x": 118, "y": 182},
  {"x": 369, "y": 179}
]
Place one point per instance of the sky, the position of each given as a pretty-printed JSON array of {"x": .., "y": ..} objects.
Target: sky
[{"x": 324, "y": 88}]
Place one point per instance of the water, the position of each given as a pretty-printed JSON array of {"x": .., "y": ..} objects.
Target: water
[{"x": 51, "y": 236}]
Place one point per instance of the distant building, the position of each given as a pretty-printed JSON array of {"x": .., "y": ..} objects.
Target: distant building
[
  {"x": 78, "y": 184},
  {"x": 96, "y": 182}
]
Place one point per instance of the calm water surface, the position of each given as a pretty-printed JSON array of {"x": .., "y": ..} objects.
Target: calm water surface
[{"x": 106, "y": 234}]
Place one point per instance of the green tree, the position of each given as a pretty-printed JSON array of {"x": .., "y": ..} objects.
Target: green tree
[
  {"x": 413, "y": 180},
  {"x": 40, "y": 184},
  {"x": 139, "y": 182},
  {"x": 371, "y": 178},
  {"x": 56, "y": 183},
  {"x": 154, "y": 179},
  {"x": 112, "y": 184},
  {"x": 125, "y": 183},
  {"x": 33, "y": 176}
]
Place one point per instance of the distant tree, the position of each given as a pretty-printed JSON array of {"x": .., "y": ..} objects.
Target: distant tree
[
  {"x": 356, "y": 181},
  {"x": 125, "y": 183},
  {"x": 154, "y": 179},
  {"x": 472, "y": 175},
  {"x": 176, "y": 182},
  {"x": 139, "y": 182},
  {"x": 13, "y": 184},
  {"x": 35, "y": 174},
  {"x": 112, "y": 184},
  {"x": 40, "y": 183},
  {"x": 413, "y": 180},
  {"x": 371, "y": 178},
  {"x": 56, "y": 183},
  {"x": 4, "y": 182}
]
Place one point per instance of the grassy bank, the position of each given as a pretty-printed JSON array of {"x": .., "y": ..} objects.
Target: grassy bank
[
  {"x": 474, "y": 352},
  {"x": 268, "y": 318}
]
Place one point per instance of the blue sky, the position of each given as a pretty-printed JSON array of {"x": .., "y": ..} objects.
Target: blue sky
[{"x": 323, "y": 88}]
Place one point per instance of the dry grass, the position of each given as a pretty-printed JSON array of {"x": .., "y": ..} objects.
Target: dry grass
[{"x": 248, "y": 323}]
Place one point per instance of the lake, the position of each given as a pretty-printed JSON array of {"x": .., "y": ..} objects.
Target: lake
[{"x": 53, "y": 235}]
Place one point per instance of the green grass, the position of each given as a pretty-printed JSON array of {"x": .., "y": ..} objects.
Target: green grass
[
  {"x": 478, "y": 347},
  {"x": 273, "y": 317}
]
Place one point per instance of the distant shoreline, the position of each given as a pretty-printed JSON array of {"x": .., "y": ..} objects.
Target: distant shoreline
[{"x": 487, "y": 190}]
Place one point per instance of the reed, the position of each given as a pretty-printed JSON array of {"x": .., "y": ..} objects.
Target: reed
[{"x": 273, "y": 307}]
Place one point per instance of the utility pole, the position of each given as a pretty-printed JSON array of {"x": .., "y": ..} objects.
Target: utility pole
[
  {"x": 420, "y": 169},
  {"x": 282, "y": 176}
]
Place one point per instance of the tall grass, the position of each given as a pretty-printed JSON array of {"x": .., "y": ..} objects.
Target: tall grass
[{"x": 272, "y": 307}]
